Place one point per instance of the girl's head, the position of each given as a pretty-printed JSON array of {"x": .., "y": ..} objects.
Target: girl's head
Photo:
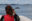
[{"x": 9, "y": 9}]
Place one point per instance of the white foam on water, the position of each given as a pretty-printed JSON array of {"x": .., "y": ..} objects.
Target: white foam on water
[
  {"x": 0, "y": 16},
  {"x": 23, "y": 18}
]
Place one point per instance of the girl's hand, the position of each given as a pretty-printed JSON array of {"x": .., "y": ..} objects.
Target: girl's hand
[{"x": 14, "y": 11}]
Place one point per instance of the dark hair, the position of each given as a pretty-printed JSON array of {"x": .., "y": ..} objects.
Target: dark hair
[{"x": 9, "y": 8}]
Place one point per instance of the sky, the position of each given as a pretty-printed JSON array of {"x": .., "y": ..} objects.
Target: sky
[{"x": 15, "y": 1}]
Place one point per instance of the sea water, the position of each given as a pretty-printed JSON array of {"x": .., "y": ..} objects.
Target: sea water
[{"x": 25, "y": 10}]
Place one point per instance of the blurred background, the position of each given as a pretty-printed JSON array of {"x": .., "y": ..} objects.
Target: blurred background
[
  {"x": 22, "y": 7},
  {"x": 21, "y": 10}
]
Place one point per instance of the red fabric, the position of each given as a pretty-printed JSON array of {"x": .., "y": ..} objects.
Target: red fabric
[{"x": 8, "y": 18}]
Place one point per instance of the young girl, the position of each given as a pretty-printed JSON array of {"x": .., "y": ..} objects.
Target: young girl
[{"x": 10, "y": 15}]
